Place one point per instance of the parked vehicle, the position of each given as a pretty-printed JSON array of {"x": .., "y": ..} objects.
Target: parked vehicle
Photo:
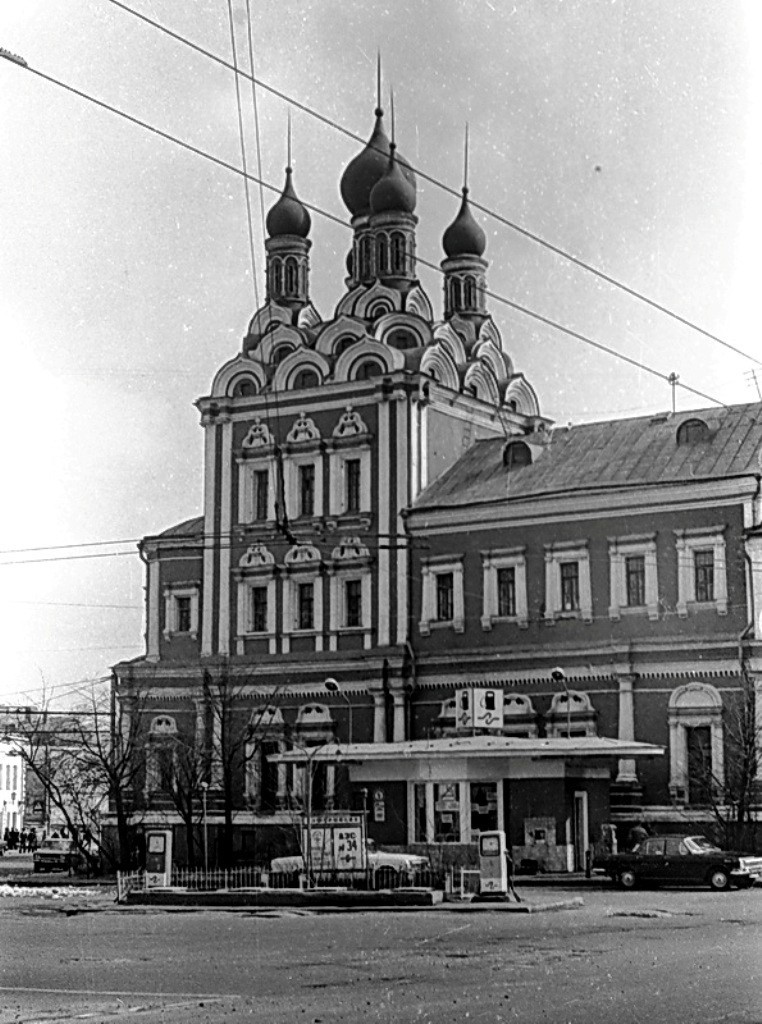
[
  {"x": 680, "y": 860},
  {"x": 57, "y": 855},
  {"x": 388, "y": 867}
]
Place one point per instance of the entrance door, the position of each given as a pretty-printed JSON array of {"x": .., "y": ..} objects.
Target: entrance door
[{"x": 579, "y": 830}]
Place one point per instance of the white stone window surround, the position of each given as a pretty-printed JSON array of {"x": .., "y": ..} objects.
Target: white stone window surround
[
  {"x": 557, "y": 554},
  {"x": 247, "y": 470},
  {"x": 337, "y": 497},
  {"x": 303, "y": 565},
  {"x": 620, "y": 549},
  {"x": 430, "y": 569},
  {"x": 338, "y": 609},
  {"x": 350, "y": 560},
  {"x": 173, "y": 591},
  {"x": 292, "y": 464},
  {"x": 492, "y": 561},
  {"x": 694, "y": 705},
  {"x": 688, "y": 542},
  {"x": 259, "y": 572}
]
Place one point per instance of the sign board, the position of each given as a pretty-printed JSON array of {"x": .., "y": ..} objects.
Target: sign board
[
  {"x": 479, "y": 709},
  {"x": 337, "y": 841}
]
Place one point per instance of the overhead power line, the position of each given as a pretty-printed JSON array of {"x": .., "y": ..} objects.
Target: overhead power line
[
  {"x": 531, "y": 235},
  {"x": 547, "y": 321}
]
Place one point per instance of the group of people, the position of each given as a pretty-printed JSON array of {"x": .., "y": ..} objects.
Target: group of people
[{"x": 23, "y": 841}]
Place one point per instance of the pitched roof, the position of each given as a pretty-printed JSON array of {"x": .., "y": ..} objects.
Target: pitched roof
[
  {"x": 610, "y": 454},
  {"x": 188, "y": 528}
]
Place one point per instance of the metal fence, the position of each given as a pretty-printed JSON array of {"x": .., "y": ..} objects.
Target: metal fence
[{"x": 215, "y": 880}]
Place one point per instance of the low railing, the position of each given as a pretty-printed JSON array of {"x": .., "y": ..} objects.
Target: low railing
[{"x": 220, "y": 879}]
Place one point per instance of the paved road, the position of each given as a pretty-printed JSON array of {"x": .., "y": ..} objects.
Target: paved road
[{"x": 627, "y": 957}]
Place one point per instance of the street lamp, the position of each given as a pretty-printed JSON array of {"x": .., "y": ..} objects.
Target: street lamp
[
  {"x": 204, "y": 788},
  {"x": 559, "y": 676},
  {"x": 332, "y": 686}
]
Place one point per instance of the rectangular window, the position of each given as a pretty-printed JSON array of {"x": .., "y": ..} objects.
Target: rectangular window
[
  {"x": 307, "y": 490},
  {"x": 703, "y": 567},
  {"x": 15, "y": 776},
  {"x": 447, "y": 812},
  {"x": 306, "y": 609},
  {"x": 259, "y": 609},
  {"x": 506, "y": 593},
  {"x": 261, "y": 494},
  {"x": 353, "y": 599},
  {"x": 445, "y": 592},
  {"x": 635, "y": 580},
  {"x": 352, "y": 484},
  {"x": 183, "y": 609},
  {"x": 483, "y": 807},
  {"x": 569, "y": 586}
]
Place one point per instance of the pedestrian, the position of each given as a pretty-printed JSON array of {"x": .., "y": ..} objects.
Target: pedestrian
[
  {"x": 32, "y": 840},
  {"x": 636, "y": 835},
  {"x": 22, "y": 841},
  {"x": 509, "y": 875}
]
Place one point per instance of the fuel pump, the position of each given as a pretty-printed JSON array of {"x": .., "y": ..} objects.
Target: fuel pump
[
  {"x": 493, "y": 870},
  {"x": 158, "y": 857}
]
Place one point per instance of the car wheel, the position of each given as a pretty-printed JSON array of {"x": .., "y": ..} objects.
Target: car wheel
[
  {"x": 628, "y": 879},
  {"x": 719, "y": 880}
]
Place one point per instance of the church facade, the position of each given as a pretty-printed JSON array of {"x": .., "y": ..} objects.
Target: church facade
[{"x": 309, "y": 636}]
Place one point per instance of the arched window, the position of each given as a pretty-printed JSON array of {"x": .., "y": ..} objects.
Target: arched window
[
  {"x": 343, "y": 344},
  {"x": 244, "y": 387},
  {"x": 517, "y": 454},
  {"x": 382, "y": 254},
  {"x": 305, "y": 379},
  {"x": 402, "y": 339},
  {"x": 398, "y": 253},
  {"x": 379, "y": 309},
  {"x": 692, "y": 432},
  {"x": 469, "y": 293},
  {"x": 365, "y": 271},
  {"x": 367, "y": 369},
  {"x": 696, "y": 744},
  {"x": 280, "y": 353},
  {"x": 292, "y": 276},
  {"x": 276, "y": 278},
  {"x": 454, "y": 293}
]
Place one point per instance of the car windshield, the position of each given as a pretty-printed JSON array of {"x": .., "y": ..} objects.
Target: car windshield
[{"x": 699, "y": 844}]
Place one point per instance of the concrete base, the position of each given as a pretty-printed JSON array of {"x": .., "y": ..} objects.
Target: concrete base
[{"x": 341, "y": 898}]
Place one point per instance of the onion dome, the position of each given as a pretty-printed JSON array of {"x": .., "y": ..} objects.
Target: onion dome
[
  {"x": 288, "y": 216},
  {"x": 393, "y": 193},
  {"x": 464, "y": 237},
  {"x": 367, "y": 168}
]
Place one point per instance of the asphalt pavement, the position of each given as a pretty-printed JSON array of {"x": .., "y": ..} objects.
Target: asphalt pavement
[{"x": 665, "y": 955}]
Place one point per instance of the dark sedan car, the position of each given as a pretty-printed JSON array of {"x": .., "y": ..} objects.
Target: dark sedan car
[{"x": 681, "y": 860}]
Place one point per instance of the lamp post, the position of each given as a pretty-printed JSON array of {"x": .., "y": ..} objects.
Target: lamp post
[
  {"x": 204, "y": 788},
  {"x": 332, "y": 686}
]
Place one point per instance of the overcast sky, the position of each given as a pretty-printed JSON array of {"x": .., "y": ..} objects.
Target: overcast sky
[{"x": 626, "y": 132}]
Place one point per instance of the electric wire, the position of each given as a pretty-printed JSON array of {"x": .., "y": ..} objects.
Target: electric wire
[
  {"x": 540, "y": 318},
  {"x": 255, "y": 107},
  {"x": 488, "y": 211},
  {"x": 249, "y": 221}
]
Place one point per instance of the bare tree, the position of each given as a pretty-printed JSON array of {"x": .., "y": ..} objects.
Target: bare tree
[{"x": 734, "y": 801}]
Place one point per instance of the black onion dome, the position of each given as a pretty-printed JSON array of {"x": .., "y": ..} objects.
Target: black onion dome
[
  {"x": 464, "y": 237},
  {"x": 394, "y": 192},
  {"x": 367, "y": 168},
  {"x": 288, "y": 216}
]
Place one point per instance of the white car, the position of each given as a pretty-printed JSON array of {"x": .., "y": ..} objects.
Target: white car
[{"x": 395, "y": 864}]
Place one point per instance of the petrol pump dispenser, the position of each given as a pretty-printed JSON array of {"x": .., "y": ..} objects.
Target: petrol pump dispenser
[
  {"x": 158, "y": 857},
  {"x": 493, "y": 870}
]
